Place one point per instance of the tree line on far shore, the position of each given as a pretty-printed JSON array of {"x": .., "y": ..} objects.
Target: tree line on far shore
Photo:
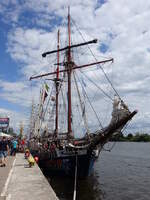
[{"x": 137, "y": 137}]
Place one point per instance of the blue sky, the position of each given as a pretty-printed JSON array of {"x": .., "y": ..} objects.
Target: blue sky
[
  {"x": 27, "y": 28},
  {"x": 8, "y": 66}
]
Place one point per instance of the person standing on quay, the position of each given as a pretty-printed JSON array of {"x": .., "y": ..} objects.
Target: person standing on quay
[
  {"x": 4, "y": 149},
  {"x": 14, "y": 147}
]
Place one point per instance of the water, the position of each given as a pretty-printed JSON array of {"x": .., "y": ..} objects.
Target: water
[{"x": 122, "y": 174}]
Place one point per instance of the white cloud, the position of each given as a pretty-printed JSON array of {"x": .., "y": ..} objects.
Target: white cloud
[
  {"x": 20, "y": 93},
  {"x": 27, "y": 45},
  {"x": 15, "y": 118}
]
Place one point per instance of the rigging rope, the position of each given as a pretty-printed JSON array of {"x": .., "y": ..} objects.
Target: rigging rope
[
  {"x": 110, "y": 148},
  {"x": 45, "y": 109},
  {"x": 117, "y": 137},
  {"x": 47, "y": 103},
  {"x": 98, "y": 86},
  {"x": 96, "y": 60},
  {"x": 81, "y": 104},
  {"x": 107, "y": 95},
  {"x": 126, "y": 125},
  {"x": 64, "y": 105},
  {"x": 91, "y": 104}
]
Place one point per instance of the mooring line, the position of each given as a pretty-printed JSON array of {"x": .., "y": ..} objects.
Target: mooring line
[{"x": 75, "y": 181}]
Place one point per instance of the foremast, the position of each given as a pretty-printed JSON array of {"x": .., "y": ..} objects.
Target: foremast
[{"x": 57, "y": 87}]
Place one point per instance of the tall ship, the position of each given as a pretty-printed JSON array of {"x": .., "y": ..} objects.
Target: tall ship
[{"x": 74, "y": 135}]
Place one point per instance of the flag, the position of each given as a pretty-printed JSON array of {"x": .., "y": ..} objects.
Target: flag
[
  {"x": 46, "y": 87},
  {"x": 45, "y": 91}
]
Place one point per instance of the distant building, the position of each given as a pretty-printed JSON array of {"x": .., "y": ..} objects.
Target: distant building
[{"x": 4, "y": 123}]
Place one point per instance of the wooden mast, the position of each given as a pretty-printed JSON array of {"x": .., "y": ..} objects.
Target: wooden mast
[
  {"x": 69, "y": 68},
  {"x": 57, "y": 86}
]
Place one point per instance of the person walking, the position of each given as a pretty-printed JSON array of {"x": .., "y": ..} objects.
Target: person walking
[{"x": 4, "y": 149}]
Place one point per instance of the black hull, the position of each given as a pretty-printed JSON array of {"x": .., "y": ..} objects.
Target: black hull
[{"x": 66, "y": 165}]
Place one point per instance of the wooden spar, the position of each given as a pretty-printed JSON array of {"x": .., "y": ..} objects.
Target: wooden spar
[
  {"x": 57, "y": 87},
  {"x": 74, "y": 67},
  {"x": 69, "y": 47},
  {"x": 69, "y": 70}
]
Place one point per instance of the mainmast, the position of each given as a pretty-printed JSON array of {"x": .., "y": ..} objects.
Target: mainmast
[{"x": 69, "y": 70}]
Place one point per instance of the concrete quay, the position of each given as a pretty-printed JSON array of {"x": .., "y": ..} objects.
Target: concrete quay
[
  {"x": 21, "y": 182},
  {"x": 4, "y": 172}
]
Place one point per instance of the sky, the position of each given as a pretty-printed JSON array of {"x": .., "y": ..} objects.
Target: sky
[{"x": 29, "y": 27}]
